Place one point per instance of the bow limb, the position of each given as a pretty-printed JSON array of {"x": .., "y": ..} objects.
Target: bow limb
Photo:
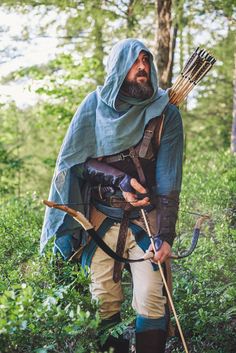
[
  {"x": 196, "y": 233},
  {"x": 78, "y": 216},
  {"x": 195, "y": 236},
  {"x": 88, "y": 227}
]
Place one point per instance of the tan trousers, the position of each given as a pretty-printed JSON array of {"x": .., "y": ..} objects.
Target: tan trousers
[{"x": 148, "y": 299}]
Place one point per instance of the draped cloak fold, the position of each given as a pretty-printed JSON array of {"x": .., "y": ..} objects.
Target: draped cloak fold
[{"x": 104, "y": 124}]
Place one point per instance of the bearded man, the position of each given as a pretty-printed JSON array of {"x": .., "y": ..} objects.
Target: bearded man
[{"x": 122, "y": 152}]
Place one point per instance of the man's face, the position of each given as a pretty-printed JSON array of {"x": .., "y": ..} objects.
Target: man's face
[
  {"x": 140, "y": 70},
  {"x": 137, "y": 82}
]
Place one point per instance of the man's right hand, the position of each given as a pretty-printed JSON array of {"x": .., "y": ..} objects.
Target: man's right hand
[{"x": 132, "y": 197}]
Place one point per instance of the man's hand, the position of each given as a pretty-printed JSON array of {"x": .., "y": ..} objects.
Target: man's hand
[
  {"x": 162, "y": 254},
  {"x": 132, "y": 198}
]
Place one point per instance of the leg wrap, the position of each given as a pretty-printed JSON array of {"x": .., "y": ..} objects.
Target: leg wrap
[
  {"x": 147, "y": 324},
  {"x": 152, "y": 341}
]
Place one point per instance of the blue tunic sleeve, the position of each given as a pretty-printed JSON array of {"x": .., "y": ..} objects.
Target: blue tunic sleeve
[{"x": 170, "y": 155}]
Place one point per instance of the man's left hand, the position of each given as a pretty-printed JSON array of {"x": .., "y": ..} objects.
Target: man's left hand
[{"x": 162, "y": 254}]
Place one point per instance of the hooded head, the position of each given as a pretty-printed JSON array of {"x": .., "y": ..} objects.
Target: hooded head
[{"x": 121, "y": 62}]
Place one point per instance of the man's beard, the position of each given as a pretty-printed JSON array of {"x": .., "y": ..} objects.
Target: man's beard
[{"x": 140, "y": 90}]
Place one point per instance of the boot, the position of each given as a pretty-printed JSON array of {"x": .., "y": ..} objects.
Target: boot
[
  {"x": 120, "y": 345},
  {"x": 152, "y": 341}
]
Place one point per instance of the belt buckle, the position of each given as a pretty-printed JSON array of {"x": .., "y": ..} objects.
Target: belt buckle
[
  {"x": 131, "y": 154},
  {"x": 111, "y": 198},
  {"x": 124, "y": 156},
  {"x": 116, "y": 202}
]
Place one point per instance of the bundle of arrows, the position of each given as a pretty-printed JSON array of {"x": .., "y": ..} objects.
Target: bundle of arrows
[{"x": 194, "y": 70}]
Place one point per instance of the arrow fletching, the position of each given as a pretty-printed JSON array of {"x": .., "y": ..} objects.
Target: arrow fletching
[{"x": 196, "y": 67}]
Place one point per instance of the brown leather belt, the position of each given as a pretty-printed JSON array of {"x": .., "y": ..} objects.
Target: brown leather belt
[
  {"x": 115, "y": 201},
  {"x": 111, "y": 201}
]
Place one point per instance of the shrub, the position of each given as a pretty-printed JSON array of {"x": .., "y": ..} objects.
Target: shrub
[{"x": 45, "y": 305}]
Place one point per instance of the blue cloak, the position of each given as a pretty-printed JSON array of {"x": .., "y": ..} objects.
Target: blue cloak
[{"x": 102, "y": 126}]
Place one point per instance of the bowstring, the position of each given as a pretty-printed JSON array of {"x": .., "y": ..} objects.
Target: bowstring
[{"x": 125, "y": 202}]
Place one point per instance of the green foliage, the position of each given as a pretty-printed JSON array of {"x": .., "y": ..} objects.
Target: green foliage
[
  {"x": 45, "y": 307},
  {"x": 213, "y": 113},
  {"x": 10, "y": 168},
  {"x": 227, "y": 7},
  {"x": 204, "y": 283}
]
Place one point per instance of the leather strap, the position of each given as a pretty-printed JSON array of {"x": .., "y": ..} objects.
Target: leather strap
[
  {"x": 147, "y": 137},
  {"x": 117, "y": 158},
  {"x": 120, "y": 246},
  {"x": 138, "y": 166},
  {"x": 125, "y": 220}
]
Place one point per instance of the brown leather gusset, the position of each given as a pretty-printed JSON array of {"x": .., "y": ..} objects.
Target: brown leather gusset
[{"x": 96, "y": 217}]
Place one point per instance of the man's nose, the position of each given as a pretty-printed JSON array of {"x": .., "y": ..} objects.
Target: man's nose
[{"x": 141, "y": 66}]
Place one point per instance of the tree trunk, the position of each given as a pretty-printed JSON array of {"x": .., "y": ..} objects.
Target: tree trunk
[
  {"x": 99, "y": 50},
  {"x": 233, "y": 134},
  {"x": 130, "y": 18},
  {"x": 165, "y": 42}
]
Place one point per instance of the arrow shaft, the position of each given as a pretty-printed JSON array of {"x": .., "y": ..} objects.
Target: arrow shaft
[{"x": 165, "y": 283}]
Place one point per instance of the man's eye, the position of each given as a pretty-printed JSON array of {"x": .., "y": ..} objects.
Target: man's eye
[{"x": 145, "y": 59}]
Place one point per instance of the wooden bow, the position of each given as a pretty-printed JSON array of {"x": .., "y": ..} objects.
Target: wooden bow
[{"x": 88, "y": 227}]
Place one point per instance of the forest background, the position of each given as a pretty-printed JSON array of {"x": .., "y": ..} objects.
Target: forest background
[{"x": 45, "y": 305}]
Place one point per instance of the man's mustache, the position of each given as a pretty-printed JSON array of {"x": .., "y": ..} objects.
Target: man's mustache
[{"x": 141, "y": 73}]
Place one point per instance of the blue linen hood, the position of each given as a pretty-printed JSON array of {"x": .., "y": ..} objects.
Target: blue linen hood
[
  {"x": 120, "y": 61},
  {"x": 103, "y": 125}
]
